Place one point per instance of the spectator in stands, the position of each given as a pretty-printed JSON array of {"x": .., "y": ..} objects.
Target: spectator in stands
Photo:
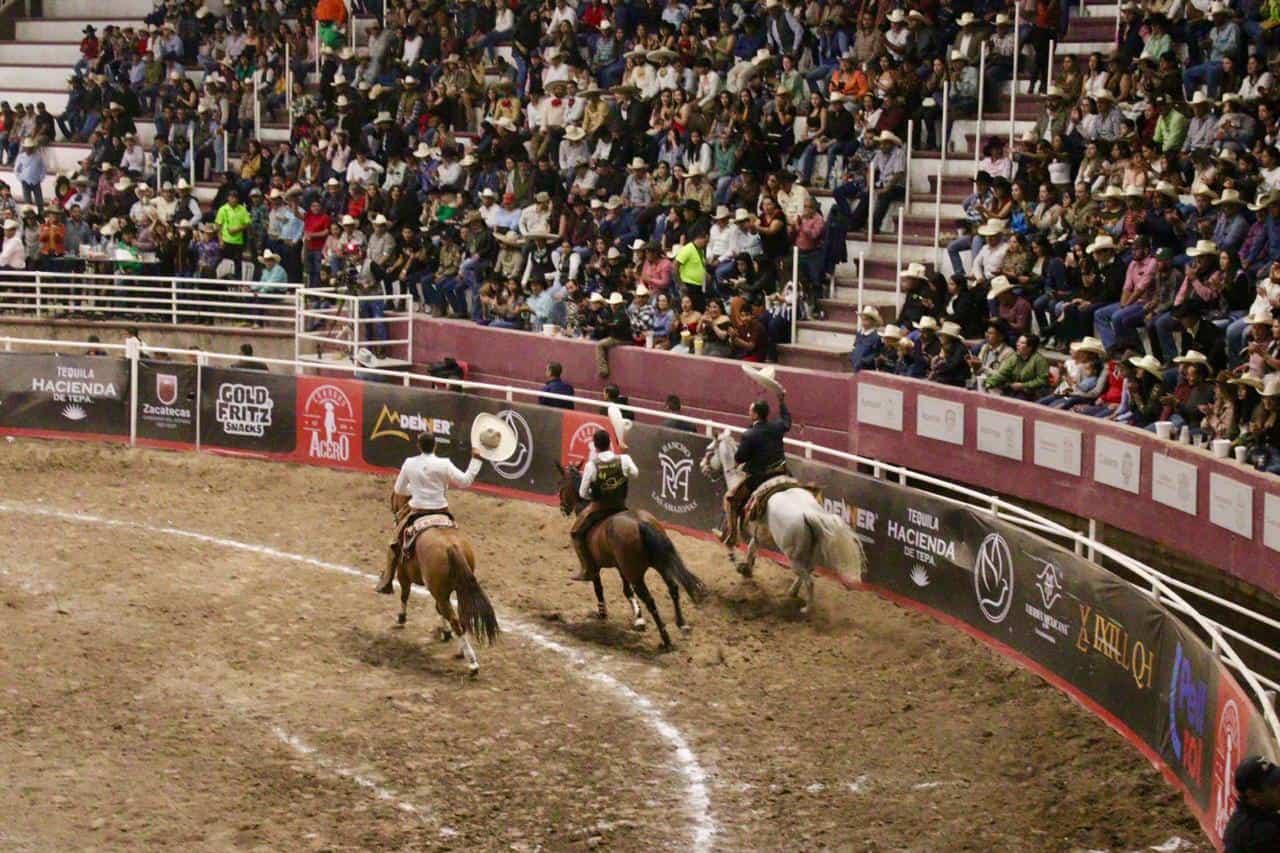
[
  {"x": 247, "y": 360},
  {"x": 1025, "y": 375},
  {"x": 13, "y": 254},
  {"x": 867, "y": 344},
  {"x": 674, "y": 407},
  {"x": 556, "y": 385}
]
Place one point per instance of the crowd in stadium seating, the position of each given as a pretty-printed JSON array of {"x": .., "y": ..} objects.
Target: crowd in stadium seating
[{"x": 639, "y": 173}]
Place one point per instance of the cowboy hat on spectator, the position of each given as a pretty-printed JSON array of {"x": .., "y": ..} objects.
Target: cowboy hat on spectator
[
  {"x": 1090, "y": 344},
  {"x": 615, "y": 298},
  {"x": 1265, "y": 200},
  {"x": 11, "y": 224},
  {"x": 1262, "y": 318},
  {"x": 492, "y": 438},
  {"x": 641, "y": 290},
  {"x": 1000, "y": 285},
  {"x": 637, "y": 164},
  {"x": 1201, "y": 190},
  {"x": 573, "y": 133},
  {"x": 1149, "y": 363},
  {"x": 896, "y": 17},
  {"x": 348, "y": 219},
  {"x": 510, "y": 238},
  {"x": 1229, "y": 196},
  {"x": 721, "y": 214},
  {"x": 597, "y": 296},
  {"x": 993, "y": 227},
  {"x": 926, "y": 323},
  {"x": 742, "y": 215},
  {"x": 638, "y": 245},
  {"x": 1202, "y": 247},
  {"x": 1192, "y": 357},
  {"x": 888, "y": 136},
  {"x": 1248, "y": 380},
  {"x": 951, "y": 330},
  {"x": 967, "y": 20},
  {"x": 915, "y": 270},
  {"x": 890, "y": 333},
  {"x": 764, "y": 376},
  {"x": 1167, "y": 189},
  {"x": 268, "y": 255},
  {"x": 959, "y": 56},
  {"x": 1270, "y": 385},
  {"x": 1103, "y": 243},
  {"x": 870, "y": 312}
]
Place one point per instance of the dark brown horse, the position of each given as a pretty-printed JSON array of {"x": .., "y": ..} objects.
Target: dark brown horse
[
  {"x": 632, "y": 541},
  {"x": 444, "y": 562}
]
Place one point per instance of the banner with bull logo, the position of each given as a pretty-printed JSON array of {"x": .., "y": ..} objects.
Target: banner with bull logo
[
  {"x": 167, "y": 402},
  {"x": 59, "y": 393},
  {"x": 248, "y": 411}
]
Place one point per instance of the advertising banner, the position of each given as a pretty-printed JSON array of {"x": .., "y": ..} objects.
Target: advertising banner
[
  {"x": 576, "y": 432},
  {"x": 670, "y": 484},
  {"x": 58, "y": 393},
  {"x": 247, "y": 410},
  {"x": 532, "y": 468},
  {"x": 167, "y": 402},
  {"x": 395, "y": 415},
  {"x": 330, "y": 421}
]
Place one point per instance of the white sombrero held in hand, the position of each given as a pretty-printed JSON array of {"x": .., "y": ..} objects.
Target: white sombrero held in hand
[
  {"x": 621, "y": 426},
  {"x": 764, "y": 376},
  {"x": 493, "y": 438}
]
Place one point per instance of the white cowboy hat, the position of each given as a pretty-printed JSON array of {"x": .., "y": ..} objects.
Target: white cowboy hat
[
  {"x": 621, "y": 426},
  {"x": 573, "y": 133},
  {"x": 1264, "y": 200},
  {"x": 1103, "y": 243},
  {"x": 1202, "y": 247},
  {"x": 928, "y": 323},
  {"x": 951, "y": 330},
  {"x": 888, "y": 136},
  {"x": 870, "y": 312},
  {"x": 488, "y": 192},
  {"x": 966, "y": 20},
  {"x": 896, "y": 17},
  {"x": 1200, "y": 98},
  {"x": 1271, "y": 385},
  {"x": 999, "y": 285},
  {"x": 763, "y": 376},
  {"x": 10, "y": 224},
  {"x": 1089, "y": 344},
  {"x": 915, "y": 270},
  {"x": 992, "y": 227},
  {"x": 1262, "y": 319},
  {"x": 333, "y": 182},
  {"x": 959, "y": 56},
  {"x": 1199, "y": 189},
  {"x": 380, "y": 220},
  {"x": 741, "y": 215},
  {"x": 1192, "y": 357},
  {"x": 1229, "y": 196},
  {"x": 638, "y": 245},
  {"x": 891, "y": 332},
  {"x": 493, "y": 438},
  {"x": 641, "y": 290},
  {"x": 636, "y": 164},
  {"x": 722, "y": 212},
  {"x": 596, "y": 296},
  {"x": 615, "y": 298},
  {"x": 348, "y": 219},
  {"x": 268, "y": 255},
  {"x": 423, "y": 151},
  {"x": 1149, "y": 363},
  {"x": 1167, "y": 189}
]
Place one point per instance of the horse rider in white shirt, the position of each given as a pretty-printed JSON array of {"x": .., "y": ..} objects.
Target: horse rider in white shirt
[{"x": 425, "y": 479}]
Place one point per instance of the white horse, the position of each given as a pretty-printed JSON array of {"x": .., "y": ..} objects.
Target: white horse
[{"x": 794, "y": 522}]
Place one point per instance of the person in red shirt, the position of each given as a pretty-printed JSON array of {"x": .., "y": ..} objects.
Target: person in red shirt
[
  {"x": 808, "y": 233},
  {"x": 315, "y": 228},
  {"x": 89, "y": 51}
]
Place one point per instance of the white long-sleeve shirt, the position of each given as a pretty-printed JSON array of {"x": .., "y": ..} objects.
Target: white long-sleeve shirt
[
  {"x": 589, "y": 471},
  {"x": 426, "y": 478}
]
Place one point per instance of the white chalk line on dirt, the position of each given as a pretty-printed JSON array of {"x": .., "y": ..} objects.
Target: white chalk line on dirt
[
  {"x": 698, "y": 798},
  {"x": 303, "y": 748}
]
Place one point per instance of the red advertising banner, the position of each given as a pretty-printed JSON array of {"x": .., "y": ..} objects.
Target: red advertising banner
[
  {"x": 1232, "y": 723},
  {"x": 329, "y": 422},
  {"x": 576, "y": 435}
]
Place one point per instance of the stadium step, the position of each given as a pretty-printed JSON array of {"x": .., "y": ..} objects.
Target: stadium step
[
  {"x": 54, "y": 55},
  {"x": 85, "y": 9},
  {"x": 814, "y": 357}
]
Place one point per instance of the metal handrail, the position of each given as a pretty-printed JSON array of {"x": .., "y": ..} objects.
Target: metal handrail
[{"x": 1161, "y": 588}]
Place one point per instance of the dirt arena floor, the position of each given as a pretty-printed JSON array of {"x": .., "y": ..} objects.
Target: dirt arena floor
[{"x": 164, "y": 692}]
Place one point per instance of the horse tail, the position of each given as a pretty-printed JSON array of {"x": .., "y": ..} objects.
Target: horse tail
[
  {"x": 664, "y": 557},
  {"x": 835, "y": 546},
  {"x": 474, "y": 610}
]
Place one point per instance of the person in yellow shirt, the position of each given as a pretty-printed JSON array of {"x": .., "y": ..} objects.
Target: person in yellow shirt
[
  {"x": 233, "y": 220},
  {"x": 691, "y": 270}
]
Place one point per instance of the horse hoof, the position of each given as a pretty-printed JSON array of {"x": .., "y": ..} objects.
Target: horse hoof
[
  {"x": 473, "y": 670},
  {"x": 401, "y": 619},
  {"x": 686, "y": 629},
  {"x": 743, "y": 569},
  {"x": 601, "y": 615},
  {"x": 666, "y": 648},
  {"x": 639, "y": 625},
  {"x": 446, "y": 636}
]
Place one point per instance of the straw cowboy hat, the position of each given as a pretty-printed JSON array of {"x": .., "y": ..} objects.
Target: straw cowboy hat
[
  {"x": 1230, "y": 196},
  {"x": 1202, "y": 247},
  {"x": 927, "y": 324},
  {"x": 1271, "y": 385},
  {"x": 1192, "y": 357},
  {"x": 742, "y": 215},
  {"x": 596, "y": 296},
  {"x": 615, "y": 298},
  {"x": 493, "y": 438},
  {"x": 951, "y": 330},
  {"x": 764, "y": 376},
  {"x": 1200, "y": 98},
  {"x": 1167, "y": 189},
  {"x": 896, "y": 17},
  {"x": 914, "y": 270},
  {"x": 637, "y": 164},
  {"x": 967, "y": 20},
  {"x": 268, "y": 255},
  {"x": 999, "y": 286},
  {"x": 870, "y": 312},
  {"x": 993, "y": 227},
  {"x": 1264, "y": 201},
  {"x": 621, "y": 426},
  {"x": 888, "y": 136},
  {"x": 1089, "y": 344},
  {"x": 959, "y": 56},
  {"x": 1248, "y": 380},
  {"x": 891, "y": 332},
  {"x": 721, "y": 213},
  {"x": 573, "y": 133},
  {"x": 1149, "y": 363},
  {"x": 510, "y": 238},
  {"x": 1260, "y": 319},
  {"x": 1103, "y": 243}
]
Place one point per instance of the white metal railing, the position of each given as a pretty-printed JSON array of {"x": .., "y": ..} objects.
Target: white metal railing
[
  {"x": 164, "y": 299},
  {"x": 341, "y": 324},
  {"x": 1164, "y": 589}
]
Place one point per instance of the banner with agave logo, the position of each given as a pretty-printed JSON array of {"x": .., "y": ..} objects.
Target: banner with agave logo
[{"x": 53, "y": 393}]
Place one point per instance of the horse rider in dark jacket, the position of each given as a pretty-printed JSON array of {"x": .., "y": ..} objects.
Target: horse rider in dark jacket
[{"x": 762, "y": 456}]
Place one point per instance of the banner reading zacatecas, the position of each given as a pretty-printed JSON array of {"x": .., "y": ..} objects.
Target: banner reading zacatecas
[{"x": 55, "y": 393}]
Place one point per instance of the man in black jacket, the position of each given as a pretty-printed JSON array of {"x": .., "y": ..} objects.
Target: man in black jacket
[
  {"x": 762, "y": 456},
  {"x": 1255, "y": 824}
]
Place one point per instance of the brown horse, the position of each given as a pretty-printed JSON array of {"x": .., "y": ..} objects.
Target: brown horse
[
  {"x": 444, "y": 562},
  {"x": 632, "y": 541}
]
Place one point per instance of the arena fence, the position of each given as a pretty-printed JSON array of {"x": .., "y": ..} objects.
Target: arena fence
[{"x": 1141, "y": 658}]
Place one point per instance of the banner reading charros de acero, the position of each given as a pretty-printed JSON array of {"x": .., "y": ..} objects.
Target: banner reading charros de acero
[
  {"x": 394, "y": 416},
  {"x": 247, "y": 410},
  {"x": 56, "y": 393},
  {"x": 330, "y": 421},
  {"x": 167, "y": 402}
]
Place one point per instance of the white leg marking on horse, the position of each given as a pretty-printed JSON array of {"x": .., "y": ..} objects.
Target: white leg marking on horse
[
  {"x": 636, "y": 612},
  {"x": 697, "y": 796},
  {"x": 469, "y": 653}
]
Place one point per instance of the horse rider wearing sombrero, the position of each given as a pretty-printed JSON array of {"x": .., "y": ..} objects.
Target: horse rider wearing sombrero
[
  {"x": 604, "y": 483},
  {"x": 425, "y": 479},
  {"x": 762, "y": 456}
]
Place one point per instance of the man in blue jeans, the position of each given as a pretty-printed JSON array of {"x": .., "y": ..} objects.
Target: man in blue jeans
[
  {"x": 1117, "y": 321},
  {"x": 1224, "y": 40}
]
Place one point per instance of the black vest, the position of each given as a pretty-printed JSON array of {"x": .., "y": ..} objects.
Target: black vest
[{"x": 610, "y": 484}]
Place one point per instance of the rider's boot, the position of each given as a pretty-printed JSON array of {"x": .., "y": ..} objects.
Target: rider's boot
[
  {"x": 587, "y": 570},
  {"x": 729, "y": 532}
]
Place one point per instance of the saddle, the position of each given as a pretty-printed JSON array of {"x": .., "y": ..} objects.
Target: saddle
[
  {"x": 759, "y": 499},
  {"x": 418, "y": 525}
]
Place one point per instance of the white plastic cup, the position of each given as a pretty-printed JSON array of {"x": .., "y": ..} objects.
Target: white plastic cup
[
  {"x": 550, "y": 329},
  {"x": 1222, "y": 448},
  {"x": 1164, "y": 429},
  {"x": 1185, "y": 435},
  {"x": 1242, "y": 454},
  {"x": 648, "y": 339}
]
